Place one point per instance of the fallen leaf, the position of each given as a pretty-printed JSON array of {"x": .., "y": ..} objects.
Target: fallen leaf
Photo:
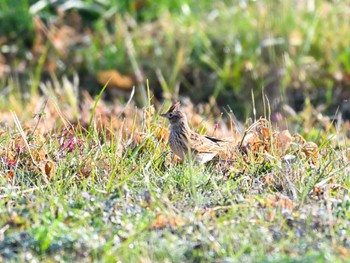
[
  {"x": 162, "y": 221},
  {"x": 280, "y": 201},
  {"x": 284, "y": 139},
  {"x": 115, "y": 79},
  {"x": 311, "y": 150},
  {"x": 50, "y": 169}
]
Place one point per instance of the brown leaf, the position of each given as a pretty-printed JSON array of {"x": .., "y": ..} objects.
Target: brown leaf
[
  {"x": 86, "y": 168},
  {"x": 344, "y": 251},
  {"x": 115, "y": 79},
  {"x": 268, "y": 179},
  {"x": 39, "y": 155},
  {"x": 284, "y": 139},
  {"x": 280, "y": 201},
  {"x": 311, "y": 150},
  {"x": 295, "y": 38},
  {"x": 162, "y": 221},
  {"x": 162, "y": 134},
  {"x": 265, "y": 132},
  {"x": 299, "y": 139},
  {"x": 8, "y": 176},
  {"x": 317, "y": 191},
  {"x": 50, "y": 169}
]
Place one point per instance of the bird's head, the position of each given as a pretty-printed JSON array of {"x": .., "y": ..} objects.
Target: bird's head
[{"x": 174, "y": 115}]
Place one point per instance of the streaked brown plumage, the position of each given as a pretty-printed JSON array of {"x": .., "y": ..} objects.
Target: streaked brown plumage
[{"x": 184, "y": 142}]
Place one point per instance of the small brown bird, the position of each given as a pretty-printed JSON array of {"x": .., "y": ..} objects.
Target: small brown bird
[{"x": 184, "y": 142}]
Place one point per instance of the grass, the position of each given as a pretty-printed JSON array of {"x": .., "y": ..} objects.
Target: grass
[
  {"x": 112, "y": 194},
  {"x": 90, "y": 180},
  {"x": 222, "y": 49}
]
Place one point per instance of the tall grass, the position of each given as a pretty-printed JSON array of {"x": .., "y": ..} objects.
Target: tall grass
[{"x": 225, "y": 49}]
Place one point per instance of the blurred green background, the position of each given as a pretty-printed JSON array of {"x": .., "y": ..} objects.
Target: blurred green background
[{"x": 294, "y": 51}]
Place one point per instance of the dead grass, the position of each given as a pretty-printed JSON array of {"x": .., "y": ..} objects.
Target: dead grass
[{"x": 70, "y": 191}]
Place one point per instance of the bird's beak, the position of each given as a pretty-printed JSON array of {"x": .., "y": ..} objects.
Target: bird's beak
[{"x": 163, "y": 115}]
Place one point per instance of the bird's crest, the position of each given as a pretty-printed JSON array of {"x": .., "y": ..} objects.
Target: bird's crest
[{"x": 174, "y": 107}]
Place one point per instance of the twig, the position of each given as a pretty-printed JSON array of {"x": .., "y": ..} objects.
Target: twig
[
  {"x": 250, "y": 128},
  {"x": 40, "y": 115},
  {"x": 3, "y": 230},
  {"x": 224, "y": 160},
  {"x": 127, "y": 104},
  {"x": 65, "y": 122},
  {"x": 19, "y": 127},
  {"x": 101, "y": 191},
  {"x": 289, "y": 182}
]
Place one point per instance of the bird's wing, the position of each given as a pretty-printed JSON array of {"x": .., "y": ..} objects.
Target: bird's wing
[
  {"x": 201, "y": 144},
  {"x": 202, "y": 158},
  {"x": 213, "y": 139}
]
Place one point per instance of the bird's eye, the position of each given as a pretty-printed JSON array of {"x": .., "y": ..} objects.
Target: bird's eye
[{"x": 170, "y": 115}]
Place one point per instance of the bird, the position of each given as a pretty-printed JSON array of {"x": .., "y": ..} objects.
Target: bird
[{"x": 186, "y": 143}]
